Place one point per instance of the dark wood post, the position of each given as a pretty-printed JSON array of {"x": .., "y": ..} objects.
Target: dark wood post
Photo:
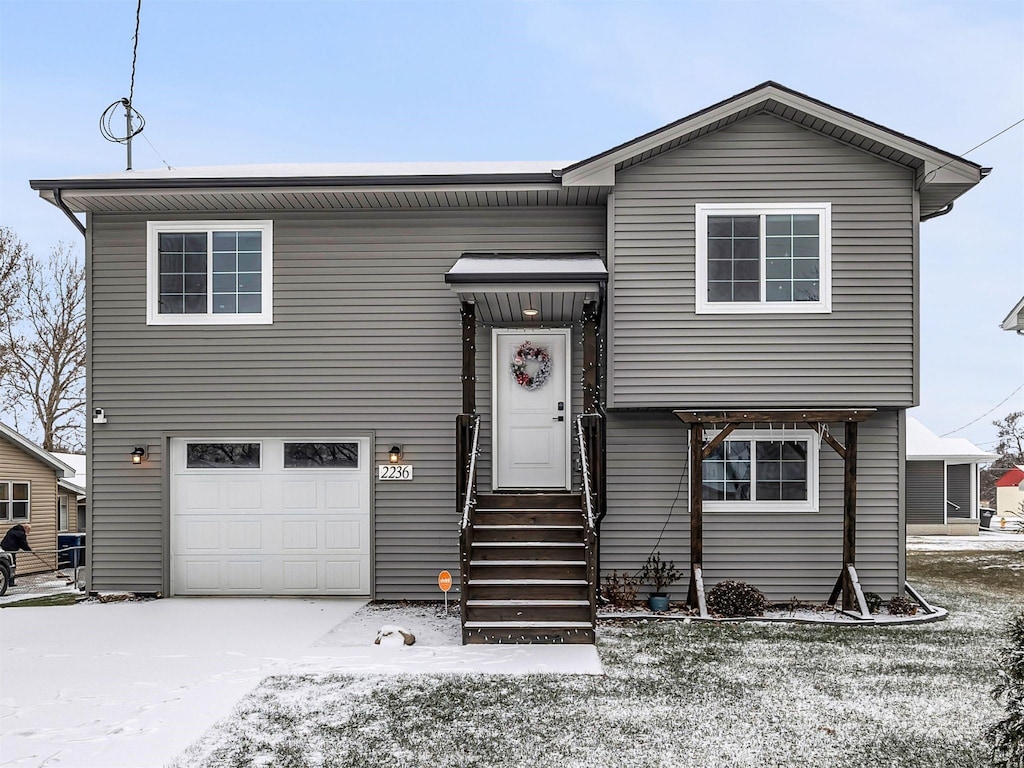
[
  {"x": 590, "y": 393},
  {"x": 849, "y": 515},
  {"x": 696, "y": 509},
  {"x": 468, "y": 357}
]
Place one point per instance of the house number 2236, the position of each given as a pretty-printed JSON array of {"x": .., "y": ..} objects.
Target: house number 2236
[{"x": 394, "y": 471}]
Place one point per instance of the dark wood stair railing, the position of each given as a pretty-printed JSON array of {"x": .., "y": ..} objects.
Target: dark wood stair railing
[
  {"x": 467, "y": 448},
  {"x": 529, "y": 559}
]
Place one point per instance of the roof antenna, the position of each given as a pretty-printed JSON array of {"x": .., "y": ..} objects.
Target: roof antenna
[{"x": 133, "y": 127}]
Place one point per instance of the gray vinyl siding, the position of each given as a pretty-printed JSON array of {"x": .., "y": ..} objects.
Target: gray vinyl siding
[
  {"x": 958, "y": 490},
  {"x": 365, "y": 339},
  {"x": 784, "y": 555},
  {"x": 925, "y": 493},
  {"x": 663, "y": 354}
]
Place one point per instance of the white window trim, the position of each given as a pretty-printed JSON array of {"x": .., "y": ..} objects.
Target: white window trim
[
  {"x": 9, "y": 517},
  {"x": 822, "y": 306},
  {"x": 813, "y": 451},
  {"x": 67, "y": 513},
  {"x": 153, "y": 230}
]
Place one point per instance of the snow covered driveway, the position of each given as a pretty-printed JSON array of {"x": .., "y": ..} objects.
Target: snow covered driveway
[{"x": 131, "y": 685}]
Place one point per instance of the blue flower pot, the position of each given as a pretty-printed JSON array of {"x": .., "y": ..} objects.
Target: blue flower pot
[{"x": 658, "y": 603}]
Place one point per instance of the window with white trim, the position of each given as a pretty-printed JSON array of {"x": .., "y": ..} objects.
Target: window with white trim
[
  {"x": 763, "y": 258},
  {"x": 763, "y": 470},
  {"x": 209, "y": 272},
  {"x": 62, "y": 513},
  {"x": 15, "y": 501}
]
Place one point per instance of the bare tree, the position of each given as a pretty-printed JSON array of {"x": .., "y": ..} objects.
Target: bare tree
[
  {"x": 1011, "y": 439},
  {"x": 1010, "y": 433},
  {"x": 12, "y": 252},
  {"x": 43, "y": 332}
]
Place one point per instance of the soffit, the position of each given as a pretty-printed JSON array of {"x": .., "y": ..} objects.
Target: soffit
[{"x": 325, "y": 199}]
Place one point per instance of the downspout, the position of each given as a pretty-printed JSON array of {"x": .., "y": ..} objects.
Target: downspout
[
  {"x": 936, "y": 214},
  {"x": 67, "y": 211}
]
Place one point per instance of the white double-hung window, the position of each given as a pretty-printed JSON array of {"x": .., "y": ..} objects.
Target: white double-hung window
[
  {"x": 763, "y": 258},
  {"x": 764, "y": 471},
  {"x": 209, "y": 272}
]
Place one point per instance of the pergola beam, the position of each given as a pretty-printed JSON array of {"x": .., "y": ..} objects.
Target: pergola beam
[{"x": 775, "y": 415}]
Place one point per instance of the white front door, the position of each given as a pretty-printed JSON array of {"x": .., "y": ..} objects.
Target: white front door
[{"x": 532, "y": 415}]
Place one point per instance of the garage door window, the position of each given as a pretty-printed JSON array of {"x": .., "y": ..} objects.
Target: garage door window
[
  {"x": 223, "y": 456},
  {"x": 321, "y": 455}
]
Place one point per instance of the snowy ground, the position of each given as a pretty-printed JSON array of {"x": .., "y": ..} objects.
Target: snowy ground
[
  {"x": 295, "y": 683},
  {"x": 131, "y": 684},
  {"x": 986, "y": 540},
  {"x": 674, "y": 694}
]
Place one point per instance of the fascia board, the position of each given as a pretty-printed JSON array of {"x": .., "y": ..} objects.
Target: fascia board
[
  {"x": 22, "y": 442},
  {"x": 962, "y": 170},
  {"x": 1011, "y": 322}
]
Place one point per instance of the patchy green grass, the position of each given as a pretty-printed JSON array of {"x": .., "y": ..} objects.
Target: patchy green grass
[
  {"x": 982, "y": 573},
  {"x": 68, "y": 598},
  {"x": 674, "y": 694}
]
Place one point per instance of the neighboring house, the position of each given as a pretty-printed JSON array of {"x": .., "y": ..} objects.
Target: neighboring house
[
  {"x": 72, "y": 499},
  {"x": 942, "y": 493},
  {"x": 730, "y": 302},
  {"x": 1010, "y": 492},
  {"x": 1015, "y": 320},
  {"x": 29, "y": 478}
]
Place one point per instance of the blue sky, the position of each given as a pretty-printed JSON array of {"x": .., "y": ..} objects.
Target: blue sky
[{"x": 262, "y": 82}]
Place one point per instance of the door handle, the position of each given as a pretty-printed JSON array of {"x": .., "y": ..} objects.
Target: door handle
[{"x": 558, "y": 418}]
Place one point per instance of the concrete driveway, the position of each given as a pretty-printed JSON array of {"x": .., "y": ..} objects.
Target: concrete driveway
[{"x": 131, "y": 685}]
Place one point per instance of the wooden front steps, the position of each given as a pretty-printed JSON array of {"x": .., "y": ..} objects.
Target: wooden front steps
[{"x": 527, "y": 571}]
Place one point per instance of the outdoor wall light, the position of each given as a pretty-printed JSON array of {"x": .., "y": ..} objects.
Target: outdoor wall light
[
  {"x": 138, "y": 454},
  {"x": 395, "y": 454},
  {"x": 531, "y": 312}
]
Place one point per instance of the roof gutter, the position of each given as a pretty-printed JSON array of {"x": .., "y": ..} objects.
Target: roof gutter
[
  {"x": 936, "y": 214},
  {"x": 67, "y": 211}
]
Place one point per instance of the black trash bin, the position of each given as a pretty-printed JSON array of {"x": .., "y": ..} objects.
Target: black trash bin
[
  {"x": 986, "y": 517},
  {"x": 70, "y": 558}
]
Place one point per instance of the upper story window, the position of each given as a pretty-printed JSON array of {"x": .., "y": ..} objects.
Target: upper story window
[
  {"x": 209, "y": 272},
  {"x": 765, "y": 471},
  {"x": 764, "y": 258}
]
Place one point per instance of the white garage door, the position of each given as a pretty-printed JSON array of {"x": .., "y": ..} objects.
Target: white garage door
[{"x": 270, "y": 517}]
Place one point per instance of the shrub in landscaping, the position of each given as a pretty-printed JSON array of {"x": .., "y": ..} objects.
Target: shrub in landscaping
[
  {"x": 620, "y": 589},
  {"x": 736, "y": 598},
  {"x": 902, "y": 606},
  {"x": 660, "y": 574},
  {"x": 874, "y": 601},
  {"x": 1007, "y": 736}
]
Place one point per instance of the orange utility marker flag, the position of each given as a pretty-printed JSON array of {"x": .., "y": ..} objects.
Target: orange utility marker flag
[{"x": 444, "y": 581}]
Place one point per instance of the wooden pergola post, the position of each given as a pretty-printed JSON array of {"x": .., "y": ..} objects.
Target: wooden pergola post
[
  {"x": 849, "y": 515},
  {"x": 696, "y": 510},
  {"x": 468, "y": 357}
]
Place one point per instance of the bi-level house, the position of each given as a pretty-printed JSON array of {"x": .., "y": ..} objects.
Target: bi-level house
[{"x": 342, "y": 379}]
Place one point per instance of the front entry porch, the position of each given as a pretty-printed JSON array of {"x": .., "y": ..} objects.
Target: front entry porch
[{"x": 528, "y": 542}]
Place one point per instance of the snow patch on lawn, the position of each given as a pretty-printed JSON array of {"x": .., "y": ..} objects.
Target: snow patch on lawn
[{"x": 986, "y": 541}]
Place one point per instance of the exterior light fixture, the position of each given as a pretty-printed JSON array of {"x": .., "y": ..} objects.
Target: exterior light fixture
[
  {"x": 138, "y": 455},
  {"x": 395, "y": 454},
  {"x": 531, "y": 312}
]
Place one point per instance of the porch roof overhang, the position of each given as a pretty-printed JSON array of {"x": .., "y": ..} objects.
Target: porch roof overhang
[
  {"x": 776, "y": 416},
  {"x": 506, "y": 287}
]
